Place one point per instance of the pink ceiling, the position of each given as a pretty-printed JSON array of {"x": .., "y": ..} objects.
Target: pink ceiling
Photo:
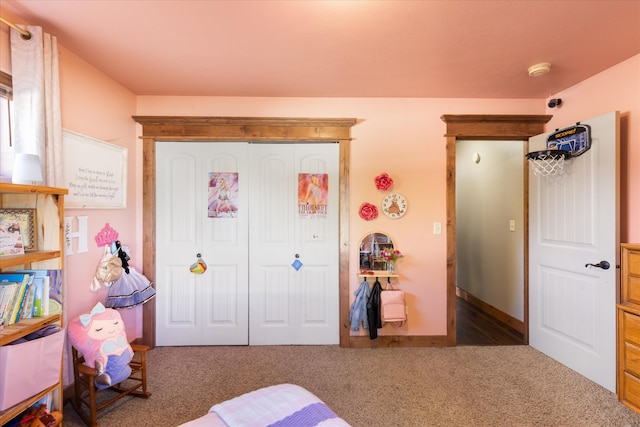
[{"x": 466, "y": 49}]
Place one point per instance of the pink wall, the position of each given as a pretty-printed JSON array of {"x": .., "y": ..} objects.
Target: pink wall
[
  {"x": 616, "y": 89},
  {"x": 403, "y": 137},
  {"x": 94, "y": 105}
]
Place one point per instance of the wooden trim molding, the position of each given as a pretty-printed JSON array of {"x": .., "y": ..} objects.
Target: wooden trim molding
[
  {"x": 245, "y": 129},
  {"x": 230, "y": 129},
  {"x": 517, "y": 127},
  {"x": 385, "y": 341},
  {"x": 484, "y": 127}
]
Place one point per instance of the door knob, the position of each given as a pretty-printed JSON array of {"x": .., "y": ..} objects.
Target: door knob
[{"x": 602, "y": 264}]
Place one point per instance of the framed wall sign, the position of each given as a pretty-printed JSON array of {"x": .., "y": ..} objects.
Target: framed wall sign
[{"x": 95, "y": 172}]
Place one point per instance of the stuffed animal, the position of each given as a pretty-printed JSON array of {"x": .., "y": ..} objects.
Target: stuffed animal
[
  {"x": 52, "y": 419},
  {"x": 37, "y": 416},
  {"x": 101, "y": 338},
  {"x": 43, "y": 418}
]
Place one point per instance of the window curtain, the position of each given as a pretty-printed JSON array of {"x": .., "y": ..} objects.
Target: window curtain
[{"x": 36, "y": 121}]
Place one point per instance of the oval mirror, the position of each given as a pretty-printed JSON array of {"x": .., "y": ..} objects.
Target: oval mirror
[{"x": 371, "y": 247}]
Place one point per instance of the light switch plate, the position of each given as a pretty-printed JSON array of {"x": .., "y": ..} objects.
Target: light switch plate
[{"x": 437, "y": 228}]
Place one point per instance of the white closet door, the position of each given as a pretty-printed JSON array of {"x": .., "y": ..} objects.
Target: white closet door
[
  {"x": 289, "y": 305},
  {"x": 211, "y": 308}
]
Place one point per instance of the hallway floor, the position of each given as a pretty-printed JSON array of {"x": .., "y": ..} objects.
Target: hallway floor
[{"x": 473, "y": 327}]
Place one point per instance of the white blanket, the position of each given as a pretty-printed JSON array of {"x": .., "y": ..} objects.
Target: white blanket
[{"x": 284, "y": 405}]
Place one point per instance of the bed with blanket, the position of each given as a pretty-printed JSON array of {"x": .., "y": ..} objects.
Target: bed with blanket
[{"x": 283, "y": 405}]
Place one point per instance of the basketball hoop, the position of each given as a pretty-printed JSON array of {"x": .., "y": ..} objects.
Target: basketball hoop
[{"x": 548, "y": 162}]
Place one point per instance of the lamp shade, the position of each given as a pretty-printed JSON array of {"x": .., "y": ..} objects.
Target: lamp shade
[{"x": 26, "y": 169}]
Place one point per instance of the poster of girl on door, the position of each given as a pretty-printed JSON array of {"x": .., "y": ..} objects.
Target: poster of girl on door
[
  {"x": 223, "y": 195},
  {"x": 313, "y": 194}
]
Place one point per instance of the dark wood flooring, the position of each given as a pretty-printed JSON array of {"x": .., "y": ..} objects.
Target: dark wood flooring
[{"x": 474, "y": 327}]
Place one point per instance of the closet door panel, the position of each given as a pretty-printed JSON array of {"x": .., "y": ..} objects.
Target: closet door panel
[
  {"x": 188, "y": 184},
  {"x": 271, "y": 245}
]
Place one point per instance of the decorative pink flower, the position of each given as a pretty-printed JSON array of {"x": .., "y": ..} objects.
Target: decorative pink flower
[
  {"x": 368, "y": 211},
  {"x": 383, "y": 182},
  {"x": 391, "y": 255}
]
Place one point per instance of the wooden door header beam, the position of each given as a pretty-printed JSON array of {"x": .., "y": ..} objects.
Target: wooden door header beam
[
  {"x": 194, "y": 128},
  {"x": 474, "y": 126}
]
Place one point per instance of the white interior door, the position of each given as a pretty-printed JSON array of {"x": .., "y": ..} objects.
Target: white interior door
[
  {"x": 574, "y": 222},
  {"x": 289, "y": 305},
  {"x": 209, "y": 308}
]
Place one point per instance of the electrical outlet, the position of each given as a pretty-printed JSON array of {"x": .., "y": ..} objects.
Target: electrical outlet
[{"x": 512, "y": 225}]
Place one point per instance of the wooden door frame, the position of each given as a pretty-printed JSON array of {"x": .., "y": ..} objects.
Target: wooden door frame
[
  {"x": 241, "y": 129},
  {"x": 484, "y": 127}
]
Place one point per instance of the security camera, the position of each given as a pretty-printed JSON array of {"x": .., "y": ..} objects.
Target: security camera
[{"x": 555, "y": 102}]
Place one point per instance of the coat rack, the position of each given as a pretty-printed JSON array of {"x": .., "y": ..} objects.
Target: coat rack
[{"x": 377, "y": 274}]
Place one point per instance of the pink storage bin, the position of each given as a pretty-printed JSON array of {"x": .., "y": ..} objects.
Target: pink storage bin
[{"x": 29, "y": 367}]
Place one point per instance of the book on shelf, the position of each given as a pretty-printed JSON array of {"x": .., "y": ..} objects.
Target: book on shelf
[
  {"x": 29, "y": 293},
  {"x": 40, "y": 295},
  {"x": 19, "y": 307},
  {"x": 8, "y": 290},
  {"x": 27, "y": 311},
  {"x": 52, "y": 294},
  {"x": 12, "y": 311}
]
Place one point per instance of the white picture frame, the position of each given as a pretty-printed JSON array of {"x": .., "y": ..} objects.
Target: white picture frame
[{"x": 95, "y": 172}]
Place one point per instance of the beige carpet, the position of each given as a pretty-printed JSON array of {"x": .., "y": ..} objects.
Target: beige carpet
[{"x": 390, "y": 387}]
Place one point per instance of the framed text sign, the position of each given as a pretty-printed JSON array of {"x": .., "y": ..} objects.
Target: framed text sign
[{"x": 95, "y": 172}]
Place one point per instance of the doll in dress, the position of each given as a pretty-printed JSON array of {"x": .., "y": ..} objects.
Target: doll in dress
[{"x": 132, "y": 288}]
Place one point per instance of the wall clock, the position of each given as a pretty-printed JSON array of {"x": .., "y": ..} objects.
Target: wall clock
[{"x": 394, "y": 205}]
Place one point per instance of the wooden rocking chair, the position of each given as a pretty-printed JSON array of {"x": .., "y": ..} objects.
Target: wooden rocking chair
[{"x": 86, "y": 401}]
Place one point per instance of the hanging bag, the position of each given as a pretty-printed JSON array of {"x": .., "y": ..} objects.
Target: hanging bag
[
  {"x": 393, "y": 307},
  {"x": 108, "y": 271}
]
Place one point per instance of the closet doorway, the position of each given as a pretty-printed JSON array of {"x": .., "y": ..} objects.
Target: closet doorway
[
  {"x": 263, "y": 217},
  {"x": 235, "y": 129}
]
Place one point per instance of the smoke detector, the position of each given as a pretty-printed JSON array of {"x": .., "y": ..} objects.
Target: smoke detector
[{"x": 539, "y": 69}]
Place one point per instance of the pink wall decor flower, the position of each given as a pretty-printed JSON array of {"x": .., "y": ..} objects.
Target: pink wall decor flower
[
  {"x": 368, "y": 211},
  {"x": 383, "y": 182}
]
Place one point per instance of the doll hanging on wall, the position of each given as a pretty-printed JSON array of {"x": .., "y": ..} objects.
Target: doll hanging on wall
[{"x": 132, "y": 288}]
